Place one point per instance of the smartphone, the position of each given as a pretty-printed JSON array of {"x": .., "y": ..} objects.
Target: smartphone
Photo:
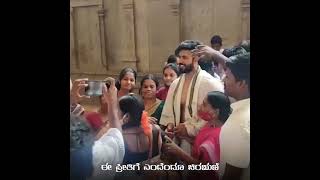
[{"x": 94, "y": 88}]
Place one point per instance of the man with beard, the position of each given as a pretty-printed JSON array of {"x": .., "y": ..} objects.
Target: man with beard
[{"x": 185, "y": 95}]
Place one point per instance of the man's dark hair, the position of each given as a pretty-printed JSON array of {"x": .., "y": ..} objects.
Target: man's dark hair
[
  {"x": 246, "y": 45},
  {"x": 219, "y": 100},
  {"x": 233, "y": 51},
  {"x": 205, "y": 63},
  {"x": 172, "y": 59},
  {"x": 216, "y": 39},
  {"x": 187, "y": 45},
  {"x": 239, "y": 65},
  {"x": 81, "y": 142},
  {"x": 134, "y": 106}
]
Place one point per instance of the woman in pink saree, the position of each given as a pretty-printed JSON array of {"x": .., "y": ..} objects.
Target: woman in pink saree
[{"x": 215, "y": 109}]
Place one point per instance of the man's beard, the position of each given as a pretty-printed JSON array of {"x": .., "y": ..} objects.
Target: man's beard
[{"x": 185, "y": 68}]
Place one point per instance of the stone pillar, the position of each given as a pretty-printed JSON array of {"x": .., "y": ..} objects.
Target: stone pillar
[
  {"x": 245, "y": 20},
  {"x": 157, "y": 24},
  {"x": 119, "y": 23}
]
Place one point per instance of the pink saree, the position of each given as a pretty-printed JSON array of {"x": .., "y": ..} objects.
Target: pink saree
[{"x": 206, "y": 148}]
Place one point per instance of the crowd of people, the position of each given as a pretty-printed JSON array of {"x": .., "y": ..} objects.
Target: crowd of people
[{"x": 201, "y": 114}]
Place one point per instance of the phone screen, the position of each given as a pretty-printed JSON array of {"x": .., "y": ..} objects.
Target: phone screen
[{"x": 94, "y": 88}]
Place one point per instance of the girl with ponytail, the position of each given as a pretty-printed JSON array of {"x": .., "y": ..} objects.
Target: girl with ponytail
[{"x": 142, "y": 142}]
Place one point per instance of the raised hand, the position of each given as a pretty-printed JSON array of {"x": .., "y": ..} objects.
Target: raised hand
[{"x": 77, "y": 86}]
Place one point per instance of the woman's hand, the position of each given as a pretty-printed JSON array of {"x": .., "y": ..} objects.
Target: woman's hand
[
  {"x": 110, "y": 94},
  {"x": 152, "y": 120},
  {"x": 171, "y": 148},
  {"x": 169, "y": 130},
  {"x": 124, "y": 119},
  {"x": 181, "y": 130},
  {"x": 77, "y": 86}
]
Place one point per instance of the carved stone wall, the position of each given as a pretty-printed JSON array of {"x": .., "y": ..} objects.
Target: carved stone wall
[{"x": 107, "y": 35}]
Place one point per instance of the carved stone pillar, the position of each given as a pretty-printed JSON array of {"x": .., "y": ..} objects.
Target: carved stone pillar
[
  {"x": 157, "y": 30},
  {"x": 119, "y": 26},
  {"x": 245, "y": 21}
]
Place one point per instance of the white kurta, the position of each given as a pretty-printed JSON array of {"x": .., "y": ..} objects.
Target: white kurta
[
  {"x": 235, "y": 139},
  {"x": 108, "y": 149},
  {"x": 205, "y": 83}
]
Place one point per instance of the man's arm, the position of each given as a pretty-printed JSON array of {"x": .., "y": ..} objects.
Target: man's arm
[
  {"x": 217, "y": 56},
  {"x": 111, "y": 96}
]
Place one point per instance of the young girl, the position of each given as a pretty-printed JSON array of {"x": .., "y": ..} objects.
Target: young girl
[
  {"x": 142, "y": 140},
  {"x": 127, "y": 81},
  {"x": 170, "y": 73}
]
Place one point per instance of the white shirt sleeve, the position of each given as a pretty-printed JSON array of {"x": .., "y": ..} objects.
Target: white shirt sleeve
[
  {"x": 235, "y": 144},
  {"x": 108, "y": 149}
]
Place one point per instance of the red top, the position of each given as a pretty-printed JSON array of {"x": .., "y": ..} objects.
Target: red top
[
  {"x": 206, "y": 148},
  {"x": 162, "y": 93},
  {"x": 94, "y": 119}
]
